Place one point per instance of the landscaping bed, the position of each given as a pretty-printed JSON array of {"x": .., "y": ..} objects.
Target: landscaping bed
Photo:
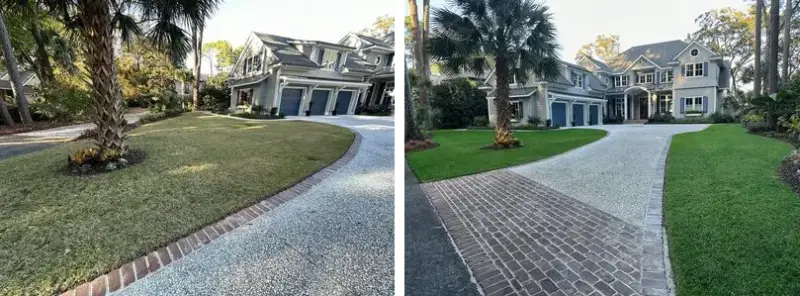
[
  {"x": 732, "y": 224},
  {"x": 460, "y": 152},
  {"x": 59, "y": 230}
]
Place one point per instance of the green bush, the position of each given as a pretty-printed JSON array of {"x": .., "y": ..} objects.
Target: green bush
[
  {"x": 215, "y": 99},
  {"x": 257, "y": 109},
  {"x": 258, "y": 116},
  {"x": 719, "y": 117},
  {"x": 611, "y": 119},
  {"x": 375, "y": 110},
  {"x": 481, "y": 121},
  {"x": 661, "y": 118},
  {"x": 757, "y": 127},
  {"x": 457, "y": 102},
  {"x": 62, "y": 104}
]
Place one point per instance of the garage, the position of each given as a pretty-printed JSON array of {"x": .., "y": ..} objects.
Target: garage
[
  {"x": 577, "y": 114},
  {"x": 290, "y": 101},
  {"x": 319, "y": 100},
  {"x": 343, "y": 102},
  {"x": 559, "y": 115},
  {"x": 593, "y": 115}
]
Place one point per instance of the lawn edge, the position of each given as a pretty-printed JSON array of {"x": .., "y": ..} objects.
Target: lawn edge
[
  {"x": 139, "y": 268},
  {"x": 520, "y": 164},
  {"x": 656, "y": 268}
]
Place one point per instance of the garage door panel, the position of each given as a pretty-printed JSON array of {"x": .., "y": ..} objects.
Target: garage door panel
[
  {"x": 319, "y": 100},
  {"x": 559, "y": 115},
  {"x": 577, "y": 114},
  {"x": 290, "y": 101},
  {"x": 343, "y": 102}
]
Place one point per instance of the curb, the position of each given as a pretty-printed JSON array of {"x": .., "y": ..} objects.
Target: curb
[
  {"x": 139, "y": 268},
  {"x": 656, "y": 269}
]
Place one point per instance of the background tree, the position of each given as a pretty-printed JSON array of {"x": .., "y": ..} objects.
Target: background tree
[
  {"x": 145, "y": 71},
  {"x": 13, "y": 73},
  {"x": 757, "y": 47},
  {"x": 787, "y": 40},
  {"x": 519, "y": 35},
  {"x": 383, "y": 25},
  {"x": 727, "y": 32},
  {"x": 605, "y": 46},
  {"x": 221, "y": 53},
  {"x": 421, "y": 59},
  {"x": 412, "y": 129}
]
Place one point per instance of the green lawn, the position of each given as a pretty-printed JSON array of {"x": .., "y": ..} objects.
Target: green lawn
[
  {"x": 57, "y": 231},
  {"x": 460, "y": 152},
  {"x": 733, "y": 226}
]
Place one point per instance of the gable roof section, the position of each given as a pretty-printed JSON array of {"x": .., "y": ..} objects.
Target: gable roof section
[
  {"x": 515, "y": 92},
  {"x": 385, "y": 41},
  {"x": 282, "y": 48},
  {"x": 658, "y": 53},
  {"x": 599, "y": 64},
  {"x": 713, "y": 54}
]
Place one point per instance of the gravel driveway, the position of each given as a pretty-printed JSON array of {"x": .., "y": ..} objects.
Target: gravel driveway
[
  {"x": 336, "y": 239},
  {"x": 613, "y": 174}
]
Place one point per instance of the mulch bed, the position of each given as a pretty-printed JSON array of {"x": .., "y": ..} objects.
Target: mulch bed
[
  {"x": 417, "y": 145},
  {"x": 789, "y": 172},
  {"x": 133, "y": 156},
  {"x": 36, "y": 126}
]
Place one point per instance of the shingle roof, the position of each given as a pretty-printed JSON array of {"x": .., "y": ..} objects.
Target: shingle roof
[
  {"x": 516, "y": 92},
  {"x": 600, "y": 64},
  {"x": 356, "y": 63},
  {"x": 660, "y": 53},
  {"x": 385, "y": 41},
  {"x": 248, "y": 80},
  {"x": 284, "y": 51}
]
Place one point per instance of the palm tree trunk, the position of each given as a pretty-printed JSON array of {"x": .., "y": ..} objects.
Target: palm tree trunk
[
  {"x": 787, "y": 40},
  {"x": 426, "y": 22},
  {"x": 96, "y": 20},
  {"x": 412, "y": 129},
  {"x": 13, "y": 73},
  {"x": 757, "y": 61},
  {"x": 415, "y": 35},
  {"x": 5, "y": 116},
  {"x": 197, "y": 39},
  {"x": 502, "y": 130},
  {"x": 772, "y": 39}
]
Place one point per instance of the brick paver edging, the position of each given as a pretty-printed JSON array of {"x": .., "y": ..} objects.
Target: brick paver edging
[
  {"x": 140, "y": 267},
  {"x": 656, "y": 271}
]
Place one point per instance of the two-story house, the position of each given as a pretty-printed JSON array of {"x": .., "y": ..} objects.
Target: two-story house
[
  {"x": 297, "y": 75},
  {"x": 684, "y": 79},
  {"x": 379, "y": 52}
]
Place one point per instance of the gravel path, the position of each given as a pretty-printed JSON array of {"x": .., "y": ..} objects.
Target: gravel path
[
  {"x": 337, "y": 239},
  {"x": 614, "y": 174},
  {"x": 432, "y": 265}
]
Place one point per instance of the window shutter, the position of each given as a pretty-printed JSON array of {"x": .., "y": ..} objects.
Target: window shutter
[
  {"x": 705, "y": 68},
  {"x": 658, "y": 78},
  {"x": 683, "y": 70},
  {"x": 683, "y": 105},
  {"x": 705, "y": 104}
]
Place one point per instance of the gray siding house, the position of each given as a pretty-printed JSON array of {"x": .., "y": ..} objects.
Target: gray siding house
[
  {"x": 297, "y": 75},
  {"x": 684, "y": 79},
  {"x": 380, "y": 53}
]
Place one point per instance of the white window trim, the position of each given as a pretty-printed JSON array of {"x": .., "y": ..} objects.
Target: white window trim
[
  {"x": 694, "y": 72},
  {"x": 577, "y": 79},
  {"x": 642, "y": 78},
  {"x": 666, "y": 102},
  {"x": 695, "y": 106},
  {"x": 512, "y": 103},
  {"x": 691, "y": 52},
  {"x": 664, "y": 75},
  {"x": 619, "y": 78}
]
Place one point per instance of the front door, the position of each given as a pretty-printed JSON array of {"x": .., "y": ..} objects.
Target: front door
[{"x": 643, "y": 108}]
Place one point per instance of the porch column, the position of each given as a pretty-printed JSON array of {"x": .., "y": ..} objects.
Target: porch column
[
  {"x": 332, "y": 100},
  {"x": 305, "y": 100},
  {"x": 569, "y": 113},
  {"x": 234, "y": 100},
  {"x": 586, "y": 113},
  {"x": 625, "y": 108},
  {"x": 600, "y": 111}
]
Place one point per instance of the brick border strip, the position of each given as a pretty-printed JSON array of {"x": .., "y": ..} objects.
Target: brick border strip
[
  {"x": 139, "y": 268},
  {"x": 656, "y": 269}
]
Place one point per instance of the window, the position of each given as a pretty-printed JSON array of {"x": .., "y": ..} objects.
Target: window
[
  {"x": 620, "y": 81},
  {"x": 388, "y": 89},
  {"x": 693, "y": 104},
  {"x": 645, "y": 78},
  {"x": 329, "y": 59},
  {"x": 389, "y": 59},
  {"x": 516, "y": 110},
  {"x": 665, "y": 104},
  {"x": 338, "y": 61},
  {"x": 694, "y": 52},
  {"x": 320, "y": 55},
  {"x": 513, "y": 79},
  {"x": 667, "y": 76},
  {"x": 244, "y": 97},
  {"x": 694, "y": 70},
  {"x": 378, "y": 60},
  {"x": 577, "y": 79}
]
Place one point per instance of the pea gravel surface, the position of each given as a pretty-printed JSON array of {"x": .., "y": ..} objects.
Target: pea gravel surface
[
  {"x": 613, "y": 174},
  {"x": 336, "y": 239}
]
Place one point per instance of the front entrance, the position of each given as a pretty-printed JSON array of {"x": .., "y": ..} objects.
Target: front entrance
[{"x": 643, "y": 108}]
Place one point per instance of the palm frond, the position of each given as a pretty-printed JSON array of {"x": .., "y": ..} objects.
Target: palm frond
[
  {"x": 126, "y": 25},
  {"x": 172, "y": 38}
]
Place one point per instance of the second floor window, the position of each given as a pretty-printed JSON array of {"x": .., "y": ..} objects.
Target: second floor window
[
  {"x": 645, "y": 78},
  {"x": 389, "y": 60},
  {"x": 329, "y": 59},
  {"x": 694, "y": 70},
  {"x": 577, "y": 79},
  {"x": 620, "y": 81},
  {"x": 667, "y": 76}
]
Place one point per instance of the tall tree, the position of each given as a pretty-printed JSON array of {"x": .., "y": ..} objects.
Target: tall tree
[
  {"x": 605, "y": 46},
  {"x": 519, "y": 35},
  {"x": 426, "y": 27},
  {"x": 221, "y": 52},
  {"x": 415, "y": 34},
  {"x": 412, "y": 128},
  {"x": 757, "y": 46},
  {"x": 13, "y": 73},
  {"x": 787, "y": 40},
  {"x": 383, "y": 25},
  {"x": 772, "y": 41},
  {"x": 727, "y": 32},
  {"x": 197, "y": 46}
]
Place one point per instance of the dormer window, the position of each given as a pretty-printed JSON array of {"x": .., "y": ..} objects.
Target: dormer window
[
  {"x": 329, "y": 59},
  {"x": 645, "y": 78},
  {"x": 694, "y": 52},
  {"x": 577, "y": 79}
]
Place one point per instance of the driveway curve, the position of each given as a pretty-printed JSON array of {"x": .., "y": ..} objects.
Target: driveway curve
[
  {"x": 336, "y": 239},
  {"x": 613, "y": 174}
]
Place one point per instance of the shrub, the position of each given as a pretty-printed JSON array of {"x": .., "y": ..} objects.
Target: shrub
[
  {"x": 548, "y": 123},
  {"x": 481, "y": 121},
  {"x": 457, "y": 102},
  {"x": 274, "y": 112},
  {"x": 661, "y": 118},
  {"x": 719, "y": 117},
  {"x": 534, "y": 120},
  {"x": 59, "y": 103},
  {"x": 375, "y": 110},
  {"x": 257, "y": 109},
  {"x": 215, "y": 99},
  {"x": 611, "y": 119},
  {"x": 257, "y": 116},
  {"x": 752, "y": 118},
  {"x": 757, "y": 127}
]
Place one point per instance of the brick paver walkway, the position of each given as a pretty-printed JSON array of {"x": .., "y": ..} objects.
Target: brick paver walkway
[{"x": 519, "y": 237}]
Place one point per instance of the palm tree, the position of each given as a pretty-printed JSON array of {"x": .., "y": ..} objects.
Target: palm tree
[
  {"x": 519, "y": 35},
  {"x": 13, "y": 73},
  {"x": 96, "y": 21},
  {"x": 412, "y": 129},
  {"x": 772, "y": 40},
  {"x": 757, "y": 61}
]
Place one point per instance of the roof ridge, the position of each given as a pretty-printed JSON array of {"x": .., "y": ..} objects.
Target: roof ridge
[{"x": 655, "y": 43}]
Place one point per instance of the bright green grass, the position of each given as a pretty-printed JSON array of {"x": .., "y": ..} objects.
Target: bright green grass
[
  {"x": 460, "y": 152},
  {"x": 733, "y": 226},
  {"x": 57, "y": 231}
]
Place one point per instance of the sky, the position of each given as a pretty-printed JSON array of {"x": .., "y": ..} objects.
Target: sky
[
  {"x": 325, "y": 20},
  {"x": 637, "y": 22}
]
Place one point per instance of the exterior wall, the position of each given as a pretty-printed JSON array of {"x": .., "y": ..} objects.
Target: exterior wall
[
  {"x": 712, "y": 79},
  {"x": 267, "y": 93},
  {"x": 709, "y": 92}
]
